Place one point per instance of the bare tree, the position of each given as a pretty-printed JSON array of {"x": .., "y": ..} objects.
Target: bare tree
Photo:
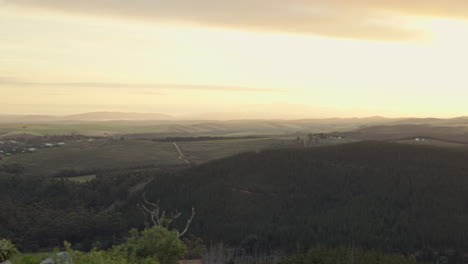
[{"x": 153, "y": 212}]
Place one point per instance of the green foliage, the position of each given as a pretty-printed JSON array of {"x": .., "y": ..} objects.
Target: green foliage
[
  {"x": 98, "y": 257},
  {"x": 156, "y": 243},
  {"x": 323, "y": 255},
  {"x": 29, "y": 258},
  {"x": 150, "y": 246},
  {"x": 7, "y": 250}
]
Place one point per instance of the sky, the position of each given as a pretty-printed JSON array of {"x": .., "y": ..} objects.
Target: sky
[{"x": 251, "y": 58}]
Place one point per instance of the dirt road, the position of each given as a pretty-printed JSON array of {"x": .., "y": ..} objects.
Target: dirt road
[{"x": 181, "y": 155}]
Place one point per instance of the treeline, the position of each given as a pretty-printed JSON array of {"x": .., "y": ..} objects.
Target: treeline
[
  {"x": 28, "y": 138},
  {"x": 70, "y": 173},
  {"x": 147, "y": 170},
  {"x": 11, "y": 168},
  {"x": 201, "y": 138}
]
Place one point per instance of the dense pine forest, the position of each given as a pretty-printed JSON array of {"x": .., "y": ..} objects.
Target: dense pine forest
[
  {"x": 394, "y": 198},
  {"x": 386, "y": 196}
]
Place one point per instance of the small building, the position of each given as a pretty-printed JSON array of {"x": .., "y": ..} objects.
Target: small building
[
  {"x": 61, "y": 143},
  {"x": 32, "y": 149},
  {"x": 49, "y": 145}
]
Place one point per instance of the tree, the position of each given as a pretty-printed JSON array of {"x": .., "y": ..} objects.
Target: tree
[{"x": 158, "y": 218}]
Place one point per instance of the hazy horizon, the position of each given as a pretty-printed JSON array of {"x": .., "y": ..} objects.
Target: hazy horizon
[
  {"x": 255, "y": 58},
  {"x": 221, "y": 115}
]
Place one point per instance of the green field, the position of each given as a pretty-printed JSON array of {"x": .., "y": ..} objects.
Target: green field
[
  {"x": 96, "y": 155},
  {"x": 88, "y": 157},
  {"x": 203, "y": 151},
  {"x": 180, "y": 128},
  {"x": 82, "y": 129}
]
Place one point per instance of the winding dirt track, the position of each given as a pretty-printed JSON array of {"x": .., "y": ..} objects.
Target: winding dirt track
[{"x": 181, "y": 155}]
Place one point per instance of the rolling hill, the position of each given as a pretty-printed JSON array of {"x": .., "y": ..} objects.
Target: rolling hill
[
  {"x": 377, "y": 195},
  {"x": 92, "y": 116},
  {"x": 105, "y": 116},
  {"x": 140, "y": 128},
  {"x": 386, "y": 196},
  {"x": 452, "y": 134}
]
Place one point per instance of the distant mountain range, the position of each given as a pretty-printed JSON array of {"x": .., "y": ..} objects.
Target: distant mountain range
[
  {"x": 92, "y": 116},
  {"x": 131, "y": 116},
  {"x": 104, "y": 116},
  {"x": 147, "y": 117}
]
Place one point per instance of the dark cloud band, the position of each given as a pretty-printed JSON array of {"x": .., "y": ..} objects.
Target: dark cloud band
[{"x": 355, "y": 19}]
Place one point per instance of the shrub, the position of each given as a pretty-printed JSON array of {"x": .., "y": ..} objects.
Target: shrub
[
  {"x": 154, "y": 245},
  {"x": 7, "y": 250}
]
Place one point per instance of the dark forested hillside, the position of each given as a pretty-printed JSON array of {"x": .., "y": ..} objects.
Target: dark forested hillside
[
  {"x": 40, "y": 213},
  {"x": 384, "y": 196}
]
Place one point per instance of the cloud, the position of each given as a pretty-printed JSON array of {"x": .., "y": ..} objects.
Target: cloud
[
  {"x": 382, "y": 20},
  {"x": 149, "y": 87}
]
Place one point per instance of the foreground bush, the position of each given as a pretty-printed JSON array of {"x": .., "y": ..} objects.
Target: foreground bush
[
  {"x": 7, "y": 250},
  {"x": 155, "y": 245}
]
